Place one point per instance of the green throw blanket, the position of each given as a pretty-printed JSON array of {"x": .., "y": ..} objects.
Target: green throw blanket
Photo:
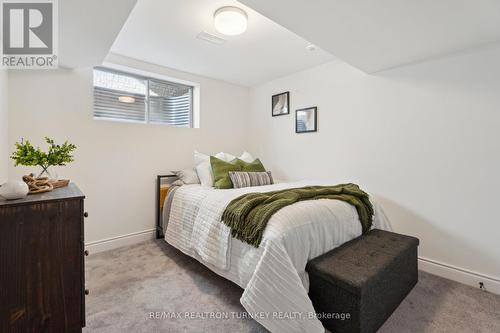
[{"x": 247, "y": 215}]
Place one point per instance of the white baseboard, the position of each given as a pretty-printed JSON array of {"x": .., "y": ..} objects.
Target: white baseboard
[
  {"x": 119, "y": 241},
  {"x": 458, "y": 274},
  {"x": 454, "y": 273}
]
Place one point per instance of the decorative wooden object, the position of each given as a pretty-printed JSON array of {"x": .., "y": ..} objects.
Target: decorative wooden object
[
  {"x": 60, "y": 183},
  {"x": 42, "y": 280},
  {"x": 38, "y": 185},
  {"x": 43, "y": 184}
]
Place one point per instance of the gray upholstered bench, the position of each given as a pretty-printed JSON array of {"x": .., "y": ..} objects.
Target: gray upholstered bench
[{"x": 357, "y": 286}]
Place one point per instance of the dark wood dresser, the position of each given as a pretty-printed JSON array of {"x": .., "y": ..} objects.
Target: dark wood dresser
[{"x": 42, "y": 280}]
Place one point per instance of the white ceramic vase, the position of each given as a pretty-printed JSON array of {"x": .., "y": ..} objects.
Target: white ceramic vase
[{"x": 14, "y": 189}]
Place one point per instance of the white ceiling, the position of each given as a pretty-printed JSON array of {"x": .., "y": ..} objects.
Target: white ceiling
[
  {"x": 164, "y": 32},
  {"x": 87, "y": 29},
  {"x": 377, "y": 35}
]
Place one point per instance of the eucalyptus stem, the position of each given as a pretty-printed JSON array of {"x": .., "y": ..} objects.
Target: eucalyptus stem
[
  {"x": 44, "y": 169},
  {"x": 26, "y": 154}
]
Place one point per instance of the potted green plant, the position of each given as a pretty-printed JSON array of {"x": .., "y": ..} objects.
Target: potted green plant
[{"x": 26, "y": 154}]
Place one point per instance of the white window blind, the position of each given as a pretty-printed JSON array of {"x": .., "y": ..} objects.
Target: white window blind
[{"x": 129, "y": 97}]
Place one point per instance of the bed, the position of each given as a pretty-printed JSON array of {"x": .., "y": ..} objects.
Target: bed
[{"x": 273, "y": 275}]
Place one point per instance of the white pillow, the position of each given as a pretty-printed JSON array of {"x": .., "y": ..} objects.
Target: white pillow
[
  {"x": 247, "y": 157},
  {"x": 227, "y": 157},
  {"x": 187, "y": 176},
  {"x": 200, "y": 157},
  {"x": 204, "y": 169}
]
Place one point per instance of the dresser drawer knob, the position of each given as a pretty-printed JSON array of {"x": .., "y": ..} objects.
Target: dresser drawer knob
[
  {"x": 85, "y": 214},
  {"x": 87, "y": 292},
  {"x": 86, "y": 252}
]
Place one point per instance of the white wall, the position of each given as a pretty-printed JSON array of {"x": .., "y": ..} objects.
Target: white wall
[
  {"x": 424, "y": 139},
  {"x": 117, "y": 163},
  {"x": 4, "y": 151}
]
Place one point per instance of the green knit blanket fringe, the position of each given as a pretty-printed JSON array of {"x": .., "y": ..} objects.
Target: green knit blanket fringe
[{"x": 247, "y": 215}]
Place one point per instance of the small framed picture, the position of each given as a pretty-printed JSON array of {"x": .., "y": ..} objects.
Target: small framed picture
[
  {"x": 306, "y": 120},
  {"x": 281, "y": 104}
]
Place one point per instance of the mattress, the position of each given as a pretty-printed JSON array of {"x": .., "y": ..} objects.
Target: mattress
[{"x": 273, "y": 275}]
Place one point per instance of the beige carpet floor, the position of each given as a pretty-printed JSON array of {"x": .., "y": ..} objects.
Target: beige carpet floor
[{"x": 142, "y": 288}]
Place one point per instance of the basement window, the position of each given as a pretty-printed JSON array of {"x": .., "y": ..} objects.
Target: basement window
[{"x": 128, "y": 97}]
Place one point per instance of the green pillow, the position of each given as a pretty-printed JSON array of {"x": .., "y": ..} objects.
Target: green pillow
[
  {"x": 220, "y": 170},
  {"x": 255, "y": 166}
]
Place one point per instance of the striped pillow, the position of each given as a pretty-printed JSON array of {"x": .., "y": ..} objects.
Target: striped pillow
[{"x": 245, "y": 179}]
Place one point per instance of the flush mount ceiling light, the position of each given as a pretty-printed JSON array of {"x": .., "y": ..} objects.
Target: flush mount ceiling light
[
  {"x": 230, "y": 20},
  {"x": 126, "y": 99}
]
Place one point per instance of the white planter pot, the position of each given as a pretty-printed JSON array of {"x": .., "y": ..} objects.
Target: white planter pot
[{"x": 14, "y": 189}]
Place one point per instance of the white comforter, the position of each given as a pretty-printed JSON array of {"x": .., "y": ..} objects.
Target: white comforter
[{"x": 273, "y": 276}]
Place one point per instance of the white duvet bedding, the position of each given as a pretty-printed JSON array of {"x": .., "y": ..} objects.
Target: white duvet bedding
[{"x": 273, "y": 276}]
